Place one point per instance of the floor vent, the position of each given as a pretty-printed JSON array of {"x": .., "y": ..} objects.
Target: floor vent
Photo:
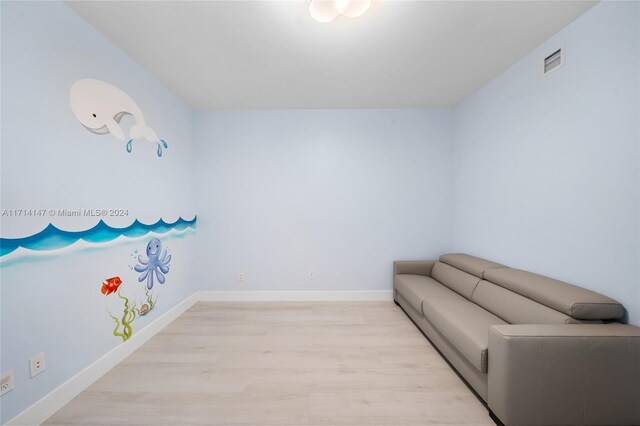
[{"x": 553, "y": 62}]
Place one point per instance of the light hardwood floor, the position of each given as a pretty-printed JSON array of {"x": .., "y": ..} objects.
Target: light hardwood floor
[{"x": 281, "y": 363}]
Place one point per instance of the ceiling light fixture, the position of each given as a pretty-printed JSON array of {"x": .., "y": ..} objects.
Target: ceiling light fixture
[{"x": 328, "y": 10}]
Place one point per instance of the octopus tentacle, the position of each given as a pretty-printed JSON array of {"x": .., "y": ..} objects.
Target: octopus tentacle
[
  {"x": 143, "y": 276},
  {"x": 160, "y": 276},
  {"x": 141, "y": 260},
  {"x": 140, "y": 268},
  {"x": 164, "y": 268},
  {"x": 150, "y": 280}
]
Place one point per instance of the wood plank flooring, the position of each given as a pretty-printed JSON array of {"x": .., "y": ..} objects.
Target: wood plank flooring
[{"x": 281, "y": 363}]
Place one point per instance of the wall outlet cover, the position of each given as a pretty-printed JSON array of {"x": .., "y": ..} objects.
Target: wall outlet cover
[
  {"x": 7, "y": 381},
  {"x": 241, "y": 276},
  {"x": 37, "y": 364}
]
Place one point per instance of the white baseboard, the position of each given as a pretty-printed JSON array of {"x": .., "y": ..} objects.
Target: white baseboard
[
  {"x": 63, "y": 394},
  {"x": 294, "y": 296}
]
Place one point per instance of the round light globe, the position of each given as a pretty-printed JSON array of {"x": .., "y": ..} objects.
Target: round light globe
[{"x": 328, "y": 10}]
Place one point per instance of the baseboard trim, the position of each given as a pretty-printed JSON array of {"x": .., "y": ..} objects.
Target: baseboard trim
[
  {"x": 295, "y": 296},
  {"x": 41, "y": 410}
]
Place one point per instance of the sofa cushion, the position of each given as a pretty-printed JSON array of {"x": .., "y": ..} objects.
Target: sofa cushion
[
  {"x": 577, "y": 302},
  {"x": 470, "y": 264},
  {"x": 516, "y": 309},
  {"x": 457, "y": 280},
  {"x": 415, "y": 288},
  {"x": 465, "y": 325}
]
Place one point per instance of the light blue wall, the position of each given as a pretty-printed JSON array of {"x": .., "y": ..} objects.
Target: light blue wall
[
  {"x": 546, "y": 169},
  {"x": 343, "y": 193},
  {"x": 49, "y": 160}
]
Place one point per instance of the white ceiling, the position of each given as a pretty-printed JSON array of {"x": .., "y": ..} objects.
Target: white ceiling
[{"x": 272, "y": 54}]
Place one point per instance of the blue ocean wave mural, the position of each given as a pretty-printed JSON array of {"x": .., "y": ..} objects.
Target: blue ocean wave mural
[{"x": 52, "y": 238}]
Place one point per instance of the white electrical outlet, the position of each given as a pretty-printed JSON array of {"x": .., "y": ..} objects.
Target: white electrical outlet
[
  {"x": 312, "y": 275},
  {"x": 241, "y": 276},
  {"x": 7, "y": 382},
  {"x": 38, "y": 364}
]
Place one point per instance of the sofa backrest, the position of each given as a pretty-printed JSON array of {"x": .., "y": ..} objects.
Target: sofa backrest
[
  {"x": 461, "y": 272},
  {"x": 521, "y": 297},
  {"x": 470, "y": 264},
  {"x": 577, "y": 302},
  {"x": 515, "y": 308},
  {"x": 457, "y": 280}
]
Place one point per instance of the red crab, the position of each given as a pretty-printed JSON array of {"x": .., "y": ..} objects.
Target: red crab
[{"x": 110, "y": 285}]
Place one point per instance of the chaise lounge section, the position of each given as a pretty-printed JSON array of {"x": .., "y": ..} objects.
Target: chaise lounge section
[{"x": 538, "y": 351}]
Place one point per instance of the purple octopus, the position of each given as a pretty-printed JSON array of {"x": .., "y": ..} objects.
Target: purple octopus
[{"x": 157, "y": 263}]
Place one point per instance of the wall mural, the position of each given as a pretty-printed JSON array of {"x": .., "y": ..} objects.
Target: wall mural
[
  {"x": 156, "y": 263},
  {"x": 110, "y": 285},
  {"x": 123, "y": 328},
  {"x": 145, "y": 308},
  {"x": 100, "y": 107},
  {"x": 152, "y": 267},
  {"x": 53, "y": 240}
]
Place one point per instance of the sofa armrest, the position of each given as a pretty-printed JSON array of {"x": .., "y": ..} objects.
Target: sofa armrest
[
  {"x": 568, "y": 374},
  {"x": 413, "y": 267}
]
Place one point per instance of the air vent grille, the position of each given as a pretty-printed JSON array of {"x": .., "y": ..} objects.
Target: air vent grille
[{"x": 553, "y": 61}]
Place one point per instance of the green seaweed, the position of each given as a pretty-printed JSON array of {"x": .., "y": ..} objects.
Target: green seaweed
[
  {"x": 150, "y": 300},
  {"x": 128, "y": 315}
]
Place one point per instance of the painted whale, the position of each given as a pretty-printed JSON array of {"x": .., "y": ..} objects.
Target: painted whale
[{"x": 99, "y": 107}]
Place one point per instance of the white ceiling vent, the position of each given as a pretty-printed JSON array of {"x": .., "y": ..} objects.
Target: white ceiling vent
[{"x": 553, "y": 62}]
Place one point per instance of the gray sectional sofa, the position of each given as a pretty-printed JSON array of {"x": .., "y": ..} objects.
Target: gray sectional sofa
[{"x": 538, "y": 351}]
